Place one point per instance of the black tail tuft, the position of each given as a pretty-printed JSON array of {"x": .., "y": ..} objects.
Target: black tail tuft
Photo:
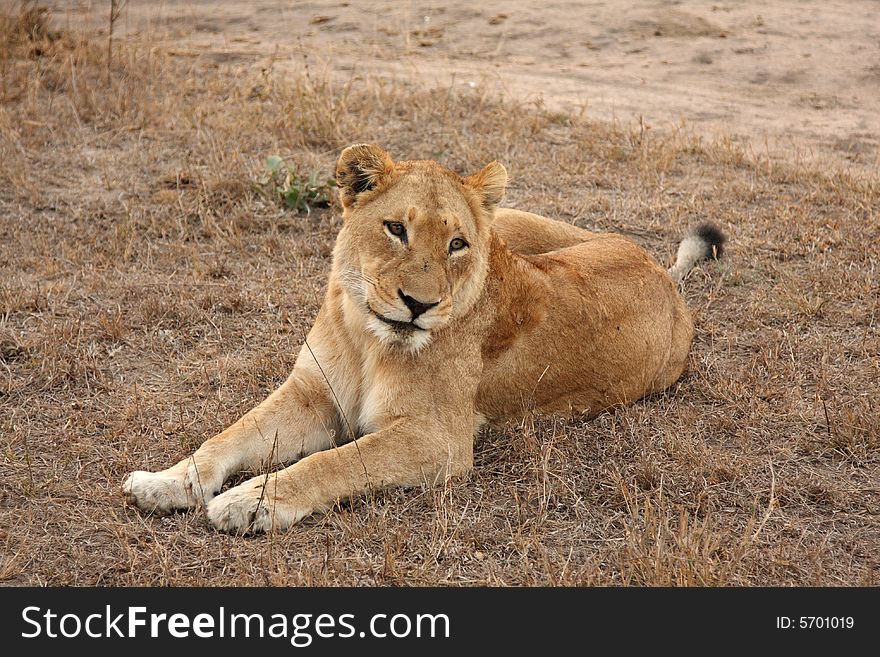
[{"x": 713, "y": 238}]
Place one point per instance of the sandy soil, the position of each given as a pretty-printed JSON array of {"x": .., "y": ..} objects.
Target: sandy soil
[{"x": 793, "y": 77}]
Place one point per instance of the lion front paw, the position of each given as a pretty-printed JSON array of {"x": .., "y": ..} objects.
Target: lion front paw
[
  {"x": 157, "y": 492},
  {"x": 245, "y": 509},
  {"x": 202, "y": 482},
  {"x": 241, "y": 510},
  {"x": 183, "y": 486}
]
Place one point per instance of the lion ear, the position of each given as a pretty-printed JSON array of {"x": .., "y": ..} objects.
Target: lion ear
[
  {"x": 360, "y": 168},
  {"x": 490, "y": 183}
]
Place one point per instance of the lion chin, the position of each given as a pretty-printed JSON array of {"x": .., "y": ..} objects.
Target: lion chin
[
  {"x": 393, "y": 334},
  {"x": 442, "y": 311}
]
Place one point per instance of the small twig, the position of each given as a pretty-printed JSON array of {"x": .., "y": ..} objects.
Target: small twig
[
  {"x": 199, "y": 481},
  {"x": 274, "y": 492},
  {"x": 110, "y": 39},
  {"x": 868, "y": 326},
  {"x": 827, "y": 421},
  {"x": 272, "y": 453},
  {"x": 771, "y": 503},
  {"x": 27, "y": 458}
]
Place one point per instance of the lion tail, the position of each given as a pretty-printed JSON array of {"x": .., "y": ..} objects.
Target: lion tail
[{"x": 704, "y": 241}]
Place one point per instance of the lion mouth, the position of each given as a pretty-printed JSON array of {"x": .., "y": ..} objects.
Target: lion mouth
[{"x": 396, "y": 324}]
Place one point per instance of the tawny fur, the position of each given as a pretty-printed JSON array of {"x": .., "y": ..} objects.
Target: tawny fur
[{"x": 532, "y": 314}]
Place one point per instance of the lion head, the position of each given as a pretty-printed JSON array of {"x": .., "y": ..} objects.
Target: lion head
[{"x": 413, "y": 252}]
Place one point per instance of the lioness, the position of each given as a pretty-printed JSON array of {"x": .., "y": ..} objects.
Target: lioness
[{"x": 442, "y": 312}]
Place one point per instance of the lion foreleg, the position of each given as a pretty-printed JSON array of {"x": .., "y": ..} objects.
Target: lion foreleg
[
  {"x": 296, "y": 420},
  {"x": 403, "y": 454}
]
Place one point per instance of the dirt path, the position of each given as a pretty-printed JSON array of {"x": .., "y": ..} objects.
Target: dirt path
[{"x": 794, "y": 76}]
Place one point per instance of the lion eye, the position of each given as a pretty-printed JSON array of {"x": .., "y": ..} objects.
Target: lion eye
[
  {"x": 457, "y": 244},
  {"x": 397, "y": 229}
]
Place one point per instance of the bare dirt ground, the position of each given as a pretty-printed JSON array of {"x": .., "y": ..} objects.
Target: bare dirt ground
[
  {"x": 797, "y": 78},
  {"x": 151, "y": 291}
]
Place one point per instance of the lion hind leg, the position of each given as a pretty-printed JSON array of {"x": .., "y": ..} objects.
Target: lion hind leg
[{"x": 530, "y": 234}]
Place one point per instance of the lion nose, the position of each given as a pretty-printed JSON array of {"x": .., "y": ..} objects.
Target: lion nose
[{"x": 415, "y": 306}]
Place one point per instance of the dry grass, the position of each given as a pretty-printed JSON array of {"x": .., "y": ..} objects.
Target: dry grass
[{"x": 149, "y": 295}]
